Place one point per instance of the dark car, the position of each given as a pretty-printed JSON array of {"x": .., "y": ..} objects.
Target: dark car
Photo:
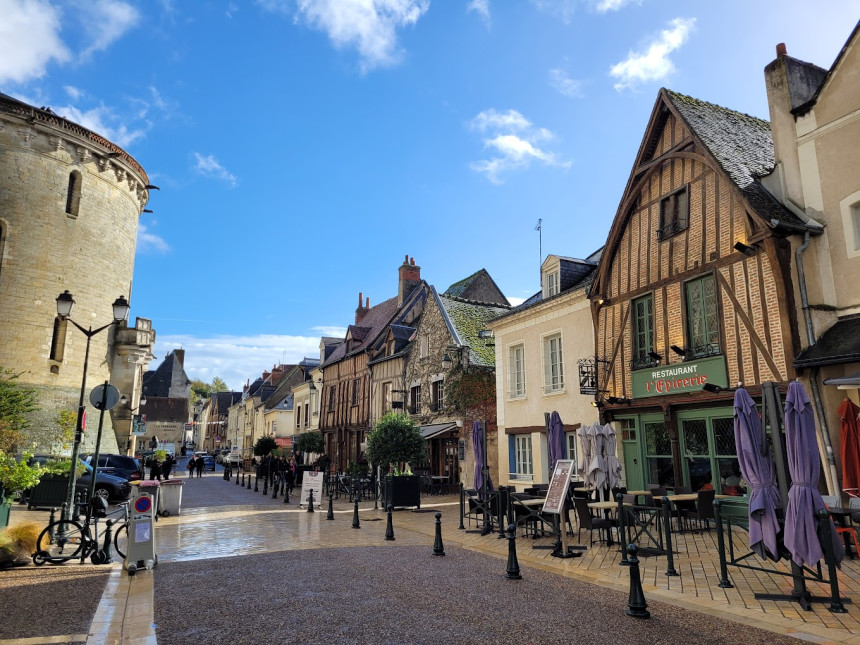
[
  {"x": 208, "y": 460},
  {"x": 108, "y": 486},
  {"x": 128, "y": 468}
]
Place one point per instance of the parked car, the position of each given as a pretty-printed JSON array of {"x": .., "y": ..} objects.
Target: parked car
[
  {"x": 222, "y": 455},
  {"x": 122, "y": 466},
  {"x": 108, "y": 486}
]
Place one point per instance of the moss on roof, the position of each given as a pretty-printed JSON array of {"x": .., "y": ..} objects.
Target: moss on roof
[{"x": 469, "y": 319}]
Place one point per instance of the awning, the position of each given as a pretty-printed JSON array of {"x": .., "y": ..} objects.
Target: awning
[
  {"x": 844, "y": 382},
  {"x": 839, "y": 344},
  {"x": 434, "y": 430}
]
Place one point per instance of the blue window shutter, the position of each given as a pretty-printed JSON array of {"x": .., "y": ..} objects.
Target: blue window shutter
[{"x": 512, "y": 453}]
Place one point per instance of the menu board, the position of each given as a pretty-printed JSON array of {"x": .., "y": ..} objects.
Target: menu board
[{"x": 556, "y": 494}]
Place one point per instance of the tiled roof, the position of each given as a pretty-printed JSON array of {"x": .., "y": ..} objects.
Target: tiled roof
[
  {"x": 478, "y": 287},
  {"x": 164, "y": 409},
  {"x": 469, "y": 318},
  {"x": 839, "y": 344},
  {"x": 224, "y": 400},
  {"x": 741, "y": 144},
  {"x": 376, "y": 319}
]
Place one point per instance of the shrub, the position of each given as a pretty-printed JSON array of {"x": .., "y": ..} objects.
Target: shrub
[{"x": 396, "y": 439}]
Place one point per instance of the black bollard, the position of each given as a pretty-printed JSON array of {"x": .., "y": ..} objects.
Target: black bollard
[
  {"x": 76, "y": 509},
  {"x": 666, "y": 509},
  {"x": 330, "y": 515},
  {"x": 438, "y": 547},
  {"x": 311, "y": 501},
  {"x": 513, "y": 572},
  {"x": 462, "y": 506},
  {"x": 249, "y": 481},
  {"x": 637, "y": 608},
  {"x": 64, "y": 512},
  {"x": 265, "y": 485},
  {"x": 355, "y": 522},
  {"x": 257, "y": 482},
  {"x": 389, "y": 528},
  {"x": 107, "y": 550},
  {"x": 51, "y": 524}
]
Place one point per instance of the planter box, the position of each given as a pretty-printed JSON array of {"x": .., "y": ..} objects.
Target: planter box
[
  {"x": 50, "y": 492},
  {"x": 403, "y": 490},
  {"x": 5, "y": 509}
]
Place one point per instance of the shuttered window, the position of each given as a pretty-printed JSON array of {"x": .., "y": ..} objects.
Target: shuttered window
[
  {"x": 643, "y": 331},
  {"x": 553, "y": 364}
]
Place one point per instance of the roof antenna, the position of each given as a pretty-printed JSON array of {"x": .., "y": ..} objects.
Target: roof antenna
[{"x": 540, "y": 241}]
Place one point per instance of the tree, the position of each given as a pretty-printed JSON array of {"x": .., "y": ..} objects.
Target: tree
[
  {"x": 396, "y": 439},
  {"x": 17, "y": 401},
  {"x": 264, "y": 446},
  {"x": 203, "y": 390},
  {"x": 310, "y": 442}
]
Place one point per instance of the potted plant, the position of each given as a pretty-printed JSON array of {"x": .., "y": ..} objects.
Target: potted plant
[
  {"x": 16, "y": 476},
  {"x": 394, "y": 444}
]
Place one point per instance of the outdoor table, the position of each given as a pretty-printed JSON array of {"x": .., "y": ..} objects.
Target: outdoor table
[
  {"x": 530, "y": 510},
  {"x": 840, "y": 516},
  {"x": 640, "y": 493}
]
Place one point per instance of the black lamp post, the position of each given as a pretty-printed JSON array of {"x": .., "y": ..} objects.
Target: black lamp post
[{"x": 65, "y": 303}]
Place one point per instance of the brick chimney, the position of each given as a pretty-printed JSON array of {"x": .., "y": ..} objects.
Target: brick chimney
[
  {"x": 360, "y": 311},
  {"x": 409, "y": 277}
]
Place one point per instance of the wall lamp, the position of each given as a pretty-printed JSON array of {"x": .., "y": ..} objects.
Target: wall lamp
[
  {"x": 602, "y": 300},
  {"x": 618, "y": 400},
  {"x": 655, "y": 356},
  {"x": 597, "y": 404},
  {"x": 447, "y": 361},
  {"x": 680, "y": 351},
  {"x": 744, "y": 248},
  {"x": 713, "y": 388}
]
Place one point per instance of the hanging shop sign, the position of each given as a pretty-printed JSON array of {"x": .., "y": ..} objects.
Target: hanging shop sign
[{"x": 688, "y": 376}]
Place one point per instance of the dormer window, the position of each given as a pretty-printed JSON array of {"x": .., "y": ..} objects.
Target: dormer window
[{"x": 552, "y": 284}]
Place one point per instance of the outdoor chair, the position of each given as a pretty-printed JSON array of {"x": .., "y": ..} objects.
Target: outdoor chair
[
  {"x": 844, "y": 530},
  {"x": 831, "y": 500},
  {"x": 854, "y": 505},
  {"x": 704, "y": 510},
  {"x": 590, "y": 523}
]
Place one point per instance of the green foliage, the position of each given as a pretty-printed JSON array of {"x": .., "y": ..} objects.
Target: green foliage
[
  {"x": 396, "y": 439},
  {"x": 356, "y": 470},
  {"x": 471, "y": 392},
  {"x": 66, "y": 421},
  {"x": 203, "y": 390},
  {"x": 16, "y": 476},
  {"x": 311, "y": 442},
  {"x": 264, "y": 446},
  {"x": 17, "y": 401}
]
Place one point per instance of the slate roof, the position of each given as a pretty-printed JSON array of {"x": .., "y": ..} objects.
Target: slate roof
[
  {"x": 839, "y": 344},
  {"x": 742, "y": 145},
  {"x": 376, "y": 319},
  {"x": 402, "y": 332},
  {"x": 159, "y": 381},
  {"x": 468, "y": 318},
  {"x": 224, "y": 400},
  {"x": 478, "y": 287},
  {"x": 164, "y": 409}
]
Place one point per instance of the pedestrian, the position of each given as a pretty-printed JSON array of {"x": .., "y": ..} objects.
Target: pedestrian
[
  {"x": 155, "y": 469},
  {"x": 191, "y": 461},
  {"x": 167, "y": 466},
  {"x": 199, "y": 463}
]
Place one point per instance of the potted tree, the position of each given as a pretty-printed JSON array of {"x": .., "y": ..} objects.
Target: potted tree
[
  {"x": 394, "y": 445},
  {"x": 16, "y": 476}
]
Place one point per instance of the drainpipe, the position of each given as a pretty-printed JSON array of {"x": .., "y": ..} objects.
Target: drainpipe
[{"x": 830, "y": 474}]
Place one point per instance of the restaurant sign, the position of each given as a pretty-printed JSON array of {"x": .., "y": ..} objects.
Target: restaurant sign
[{"x": 688, "y": 376}]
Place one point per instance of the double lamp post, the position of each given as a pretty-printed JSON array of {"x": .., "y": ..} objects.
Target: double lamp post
[{"x": 65, "y": 303}]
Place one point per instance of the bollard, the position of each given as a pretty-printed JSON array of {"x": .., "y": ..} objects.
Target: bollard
[
  {"x": 462, "y": 506},
  {"x": 502, "y": 508},
  {"x": 355, "y": 522},
  {"x": 76, "y": 509},
  {"x": 265, "y": 485},
  {"x": 636, "y": 606},
  {"x": 51, "y": 525},
  {"x": 622, "y": 530},
  {"x": 249, "y": 481},
  {"x": 64, "y": 512},
  {"x": 513, "y": 572},
  {"x": 237, "y": 477},
  {"x": 256, "y": 483},
  {"x": 438, "y": 547},
  {"x": 389, "y": 528},
  {"x": 311, "y": 501},
  {"x": 106, "y": 548},
  {"x": 330, "y": 515}
]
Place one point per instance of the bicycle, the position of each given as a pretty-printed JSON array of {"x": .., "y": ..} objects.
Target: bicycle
[{"x": 65, "y": 539}]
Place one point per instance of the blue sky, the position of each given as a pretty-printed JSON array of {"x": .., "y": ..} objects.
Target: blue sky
[{"x": 304, "y": 147}]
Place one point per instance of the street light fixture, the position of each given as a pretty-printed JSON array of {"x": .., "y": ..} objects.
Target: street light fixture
[{"x": 65, "y": 304}]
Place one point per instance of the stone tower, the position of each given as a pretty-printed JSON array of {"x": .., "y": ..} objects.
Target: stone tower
[{"x": 69, "y": 207}]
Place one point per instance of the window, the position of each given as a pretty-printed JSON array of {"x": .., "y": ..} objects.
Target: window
[
  {"x": 703, "y": 328},
  {"x": 520, "y": 456},
  {"x": 306, "y": 414},
  {"x": 58, "y": 340},
  {"x": 553, "y": 364},
  {"x": 643, "y": 332},
  {"x": 517, "y": 372},
  {"x": 298, "y": 417},
  {"x": 437, "y": 395},
  {"x": 73, "y": 194},
  {"x": 674, "y": 214},
  {"x": 552, "y": 286},
  {"x": 710, "y": 454},
  {"x": 571, "y": 449},
  {"x": 331, "y": 394},
  {"x": 658, "y": 453},
  {"x": 415, "y": 399},
  {"x": 855, "y": 221},
  {"x": 386, "y": 397},
  {"x": 355, "y": 389},
  {"x": 425, "y": 345}
]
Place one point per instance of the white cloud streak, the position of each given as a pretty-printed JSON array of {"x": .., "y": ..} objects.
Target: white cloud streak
[
  {"x": 236, "y": 359},
  {"x": 561, "y": 9},
  {"x": 30, "y": 33},
  {"x": 563, "y": 84},
  {"x": 150, "y": 242},
  {"x": 653, "y": 64},
  {"x": 512, "y": 141},
  {"x": 104, "y": 121},
  {"x": 604, "y": 6},
  {"x": 208, "y": 166},
  {"x": 480, "y": 7},
  {"x": 107, "y": 21},
  {"x": 369, "y": 26},
  {"x": 332, "y": 331}
]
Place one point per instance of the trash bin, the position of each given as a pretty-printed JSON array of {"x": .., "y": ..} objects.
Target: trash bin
[
  {"x": 147, "y": 486},
  {"x": 170, "y": 497}
]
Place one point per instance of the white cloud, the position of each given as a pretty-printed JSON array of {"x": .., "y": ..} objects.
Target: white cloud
[
  {"x": 602, "y": 6},
  {"x": 653, "y": 64},
  {"x": 561, "y": 9},
  {"x": 30, "y": 33},
  {"x": 331, "y": 331},
  {"x": 512, "y": 143},
  {"x": 231, "y": 9},
  {"x": 73, "y": 92},
  {"x": 208, "y": 166},
  {"x": 102, "y": 120},
  {"x": 147, "y": 241},
  {"x": 515, "y": 302},
  {"x": 236, "y": 359},
  {"x": 370, "y": 26},
  {"x": 107, "y": 21},
  {"x": 561, "y": 82},
  {"x": 481, "y": 7}
]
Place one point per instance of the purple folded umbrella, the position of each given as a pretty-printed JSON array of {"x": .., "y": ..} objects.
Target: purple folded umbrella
[
  {"x": 758, "y": 471},
  {"x": 478, "y": 447},
  {"x": 555, "y": 440},
  {"x": 804, "y": 464}
]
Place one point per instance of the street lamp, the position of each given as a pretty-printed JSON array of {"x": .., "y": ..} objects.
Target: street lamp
[{"x": 65, "y": 303}]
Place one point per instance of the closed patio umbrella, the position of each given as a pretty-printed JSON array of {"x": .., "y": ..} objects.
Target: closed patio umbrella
[
  {"x": 758, "y": 471},
  {"x": 478, "y": 447},
  {"x": 850, "y": 433},
  {"x": 597, "y": 467},
  {"x": 804, "y": 464},
  {"x": 585, "y": 450},
  {"x": 613, "y": 466},
  {"x": 555, "y": 440}
]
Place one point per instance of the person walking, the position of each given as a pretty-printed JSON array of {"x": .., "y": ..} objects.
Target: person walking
[
  {"x": 167, "y": 466},
  {"x": 199, "y": 463},
  {"x": 190, "y": 466},
  {"x": 155, "y": 469}
]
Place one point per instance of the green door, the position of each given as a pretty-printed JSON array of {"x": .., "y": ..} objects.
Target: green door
[{"x": 632, "y": 459}]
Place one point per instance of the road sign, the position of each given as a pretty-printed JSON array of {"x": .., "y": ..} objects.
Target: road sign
[{"x": 98, "y": 393}]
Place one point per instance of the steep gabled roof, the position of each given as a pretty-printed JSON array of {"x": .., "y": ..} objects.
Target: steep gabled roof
[
  {"x": 478, "y": 287},
  {"x": 825, "y": 81},
  {"x": 170, "y": 373},
  {"x": 465, "y": 320},
  {"x": 375, "y": 320},
  {"x": 223, "y": 400}
]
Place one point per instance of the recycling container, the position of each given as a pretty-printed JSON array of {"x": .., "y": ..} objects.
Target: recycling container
[{"x": 170, "y": 497}]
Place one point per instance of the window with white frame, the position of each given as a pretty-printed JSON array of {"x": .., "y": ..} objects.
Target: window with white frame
[
  {"x": 386, "y": 396},
  {"x": 571, "y": 447},
  {"x": 552, "y": 284},
  {"x": 307, "y": 405},
  {"x": 437, "y": 395},
  {"x": 553, "y": 364},
  {"x": 517, "y": 371},
  {"x": 520, "y": 456}
]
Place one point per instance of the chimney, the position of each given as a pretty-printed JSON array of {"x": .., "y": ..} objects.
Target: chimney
[
  {"x": 179, "y": 354},
  {"x": 780, "y": 50},
  {"x": 409, "y": 277},
  {"x": 360, "y": 311}
]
